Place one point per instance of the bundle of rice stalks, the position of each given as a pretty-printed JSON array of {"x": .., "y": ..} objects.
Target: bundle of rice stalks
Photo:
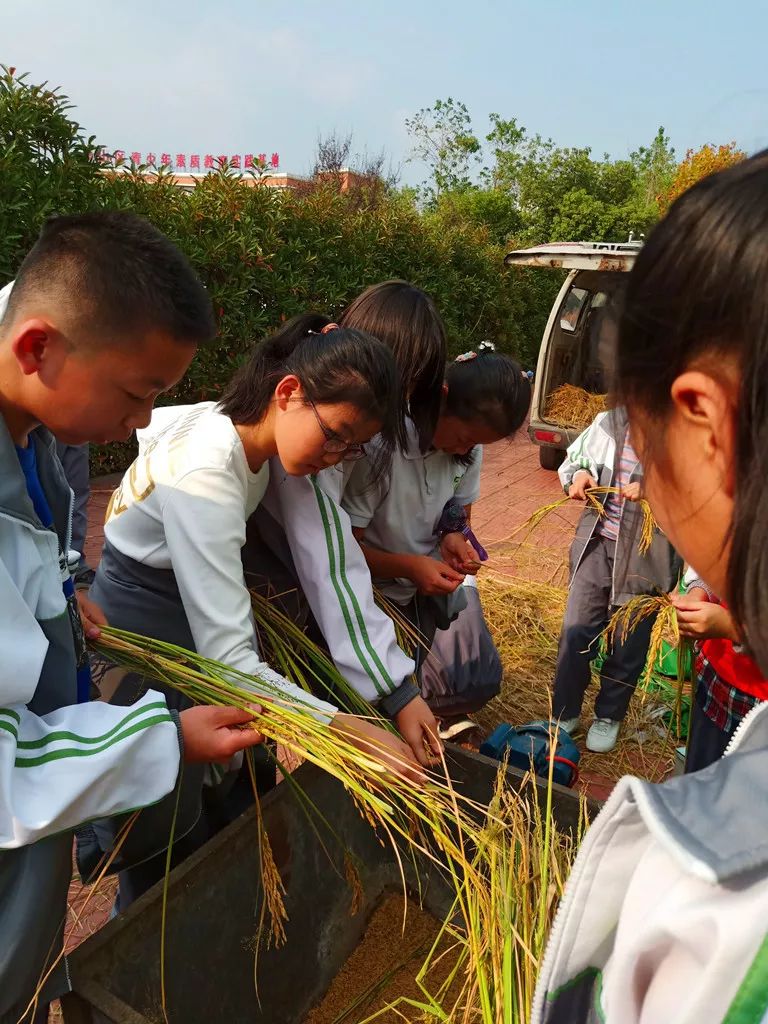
[
  {"x": 286, "y": 647},
  {"x": 648, "y": 525},
  {"x": 430, "y": 818},
  {"x": 508, "y": 873},
  {"x": 523, "y": 860},
  {"x": 629, "y": 617},
  {"x": 569, "y": 406}
]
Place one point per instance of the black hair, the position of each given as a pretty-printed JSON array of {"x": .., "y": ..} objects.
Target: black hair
[
  {"x": 342, "y": 365},
  {"x": 490, "y": 387},
  {"x": 698, "y": 290},
  {"x": 116, "y": 276},
  {"x": 405, "y": 318}
]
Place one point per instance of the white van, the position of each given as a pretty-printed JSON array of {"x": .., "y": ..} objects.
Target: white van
[{"x": 580, "y": 323}]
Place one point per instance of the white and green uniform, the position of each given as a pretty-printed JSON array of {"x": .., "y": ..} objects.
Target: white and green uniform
[
  {"x": 664, "y": 914},
  {"x": 328, "y": 563},
  {"x": 171, "y": 569},
  {"x": 401, "y": 510},
  {"x": 177, "y": 521},
  {"x": 61, "y": 763}
]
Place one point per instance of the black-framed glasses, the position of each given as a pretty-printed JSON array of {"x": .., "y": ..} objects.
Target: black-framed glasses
[{"x": 350, "y": 451}]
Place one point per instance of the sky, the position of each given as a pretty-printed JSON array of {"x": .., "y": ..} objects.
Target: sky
[{"x": 235, "y": 77}]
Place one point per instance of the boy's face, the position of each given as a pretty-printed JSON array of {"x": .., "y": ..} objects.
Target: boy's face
[{"x": 87, "y": 394}]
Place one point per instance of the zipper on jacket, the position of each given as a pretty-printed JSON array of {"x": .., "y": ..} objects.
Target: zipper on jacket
[
  {"x": 553, "y": 942},
  {"x": 738, "y": 736},
  {"x": 621, "y": 520},
  {"x": 64, "y": 560}
]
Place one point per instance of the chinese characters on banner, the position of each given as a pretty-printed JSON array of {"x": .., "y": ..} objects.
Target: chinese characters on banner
[{"x": 181, "y": 162}]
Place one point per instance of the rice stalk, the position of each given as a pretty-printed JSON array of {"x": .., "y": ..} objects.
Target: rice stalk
[
  {"x": 284, "y": 645},
  {"x": 592, "y": 495},
  {"x": 498, "y": 930},
  {"x": 424, "y": 817},
  {"x": 409, "y": 637},
  {"x": 571, "y": 406},
  {"x": 637, "y": 610}
]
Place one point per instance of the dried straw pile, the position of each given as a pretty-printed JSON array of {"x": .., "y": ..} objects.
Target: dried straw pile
[
  {"x": 569, "y": 406},
  {"x": 524, "y": 618}
]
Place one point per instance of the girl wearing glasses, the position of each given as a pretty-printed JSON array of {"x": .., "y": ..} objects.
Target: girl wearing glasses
[
  {"x": 300, "y": 539},
  {"x": 171, "y": 568}
]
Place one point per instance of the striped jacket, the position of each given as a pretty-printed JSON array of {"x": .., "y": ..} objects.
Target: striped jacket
[
  {"x": 60, "y": 763},
  {"x": 598, "y": 451}
]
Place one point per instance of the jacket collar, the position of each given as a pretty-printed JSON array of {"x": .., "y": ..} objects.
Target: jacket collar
[{"x": 14, "y": 497}]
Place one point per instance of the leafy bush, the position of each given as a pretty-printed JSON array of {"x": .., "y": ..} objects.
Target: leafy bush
[{"x": 263, "y": 253}]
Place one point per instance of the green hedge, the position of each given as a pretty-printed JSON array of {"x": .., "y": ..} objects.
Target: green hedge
[{"x": 264, "y": 254}]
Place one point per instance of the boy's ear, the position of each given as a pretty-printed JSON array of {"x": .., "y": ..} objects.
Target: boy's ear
[
  {"x": 445, "y": 387},
  {"x": 33, "y": 345}
]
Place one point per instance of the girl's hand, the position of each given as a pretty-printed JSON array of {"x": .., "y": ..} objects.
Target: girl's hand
[
  {"x": 704, "y": 620},
  {"x": 433, "y": 577},
  {"x": 581, "y": 483},
  {"x": 381, "y": 745},
  {"x": 91, "y": 615},
  {"x": 215, "y": 734},
  {"x": 632, "y": 491},
  {"x": 418, "y": 727},
  {"x": 458, "y": 553}
]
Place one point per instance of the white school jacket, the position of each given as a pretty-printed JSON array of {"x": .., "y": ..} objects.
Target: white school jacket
[
  {"x": 61, "y": 763},
  {"x": 665, "y": 914}
]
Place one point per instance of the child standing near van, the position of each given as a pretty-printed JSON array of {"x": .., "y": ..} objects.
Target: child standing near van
[
  {"x": 105, "y": 314},
  {"x": 607, "y": 570}
]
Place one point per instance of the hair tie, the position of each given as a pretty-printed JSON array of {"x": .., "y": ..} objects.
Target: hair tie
[
  {"x": 326, "y": 329},
  {"x": 484, "y": 346}
]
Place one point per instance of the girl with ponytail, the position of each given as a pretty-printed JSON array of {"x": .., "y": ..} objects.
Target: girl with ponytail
[{"x": 312, "y": 395}]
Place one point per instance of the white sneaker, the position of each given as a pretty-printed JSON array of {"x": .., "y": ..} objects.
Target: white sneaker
[
  {"x": 602, "y": 735},
  {"x": 569, "y": 724}
]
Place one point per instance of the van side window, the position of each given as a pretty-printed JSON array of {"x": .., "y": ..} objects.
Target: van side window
[{"x": 571, "y": 309}]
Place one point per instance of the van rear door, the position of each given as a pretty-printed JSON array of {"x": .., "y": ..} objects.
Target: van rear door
[
  {"x": 615, "y": 256},
  {"x": 568, "y": 346}
]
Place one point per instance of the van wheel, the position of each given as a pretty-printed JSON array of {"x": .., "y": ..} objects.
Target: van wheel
[{"x": 551, "y": 458}]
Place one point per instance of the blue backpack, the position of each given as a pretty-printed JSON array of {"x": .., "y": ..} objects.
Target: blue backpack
[{"x": 531, "y": 743}]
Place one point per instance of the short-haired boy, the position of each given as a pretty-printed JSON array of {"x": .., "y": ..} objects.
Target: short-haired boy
[{"x": 105, "y": 314}]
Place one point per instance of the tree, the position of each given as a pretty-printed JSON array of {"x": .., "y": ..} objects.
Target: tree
[
  {"x": 333, "y": 155},
  {"x": 508, "y": 143},
  {"x": 444, "y": 140},
  {"x": 47, "y": 164},
  {"x": 655, "y": 166},
  {"x": 700, "y": 164}
]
